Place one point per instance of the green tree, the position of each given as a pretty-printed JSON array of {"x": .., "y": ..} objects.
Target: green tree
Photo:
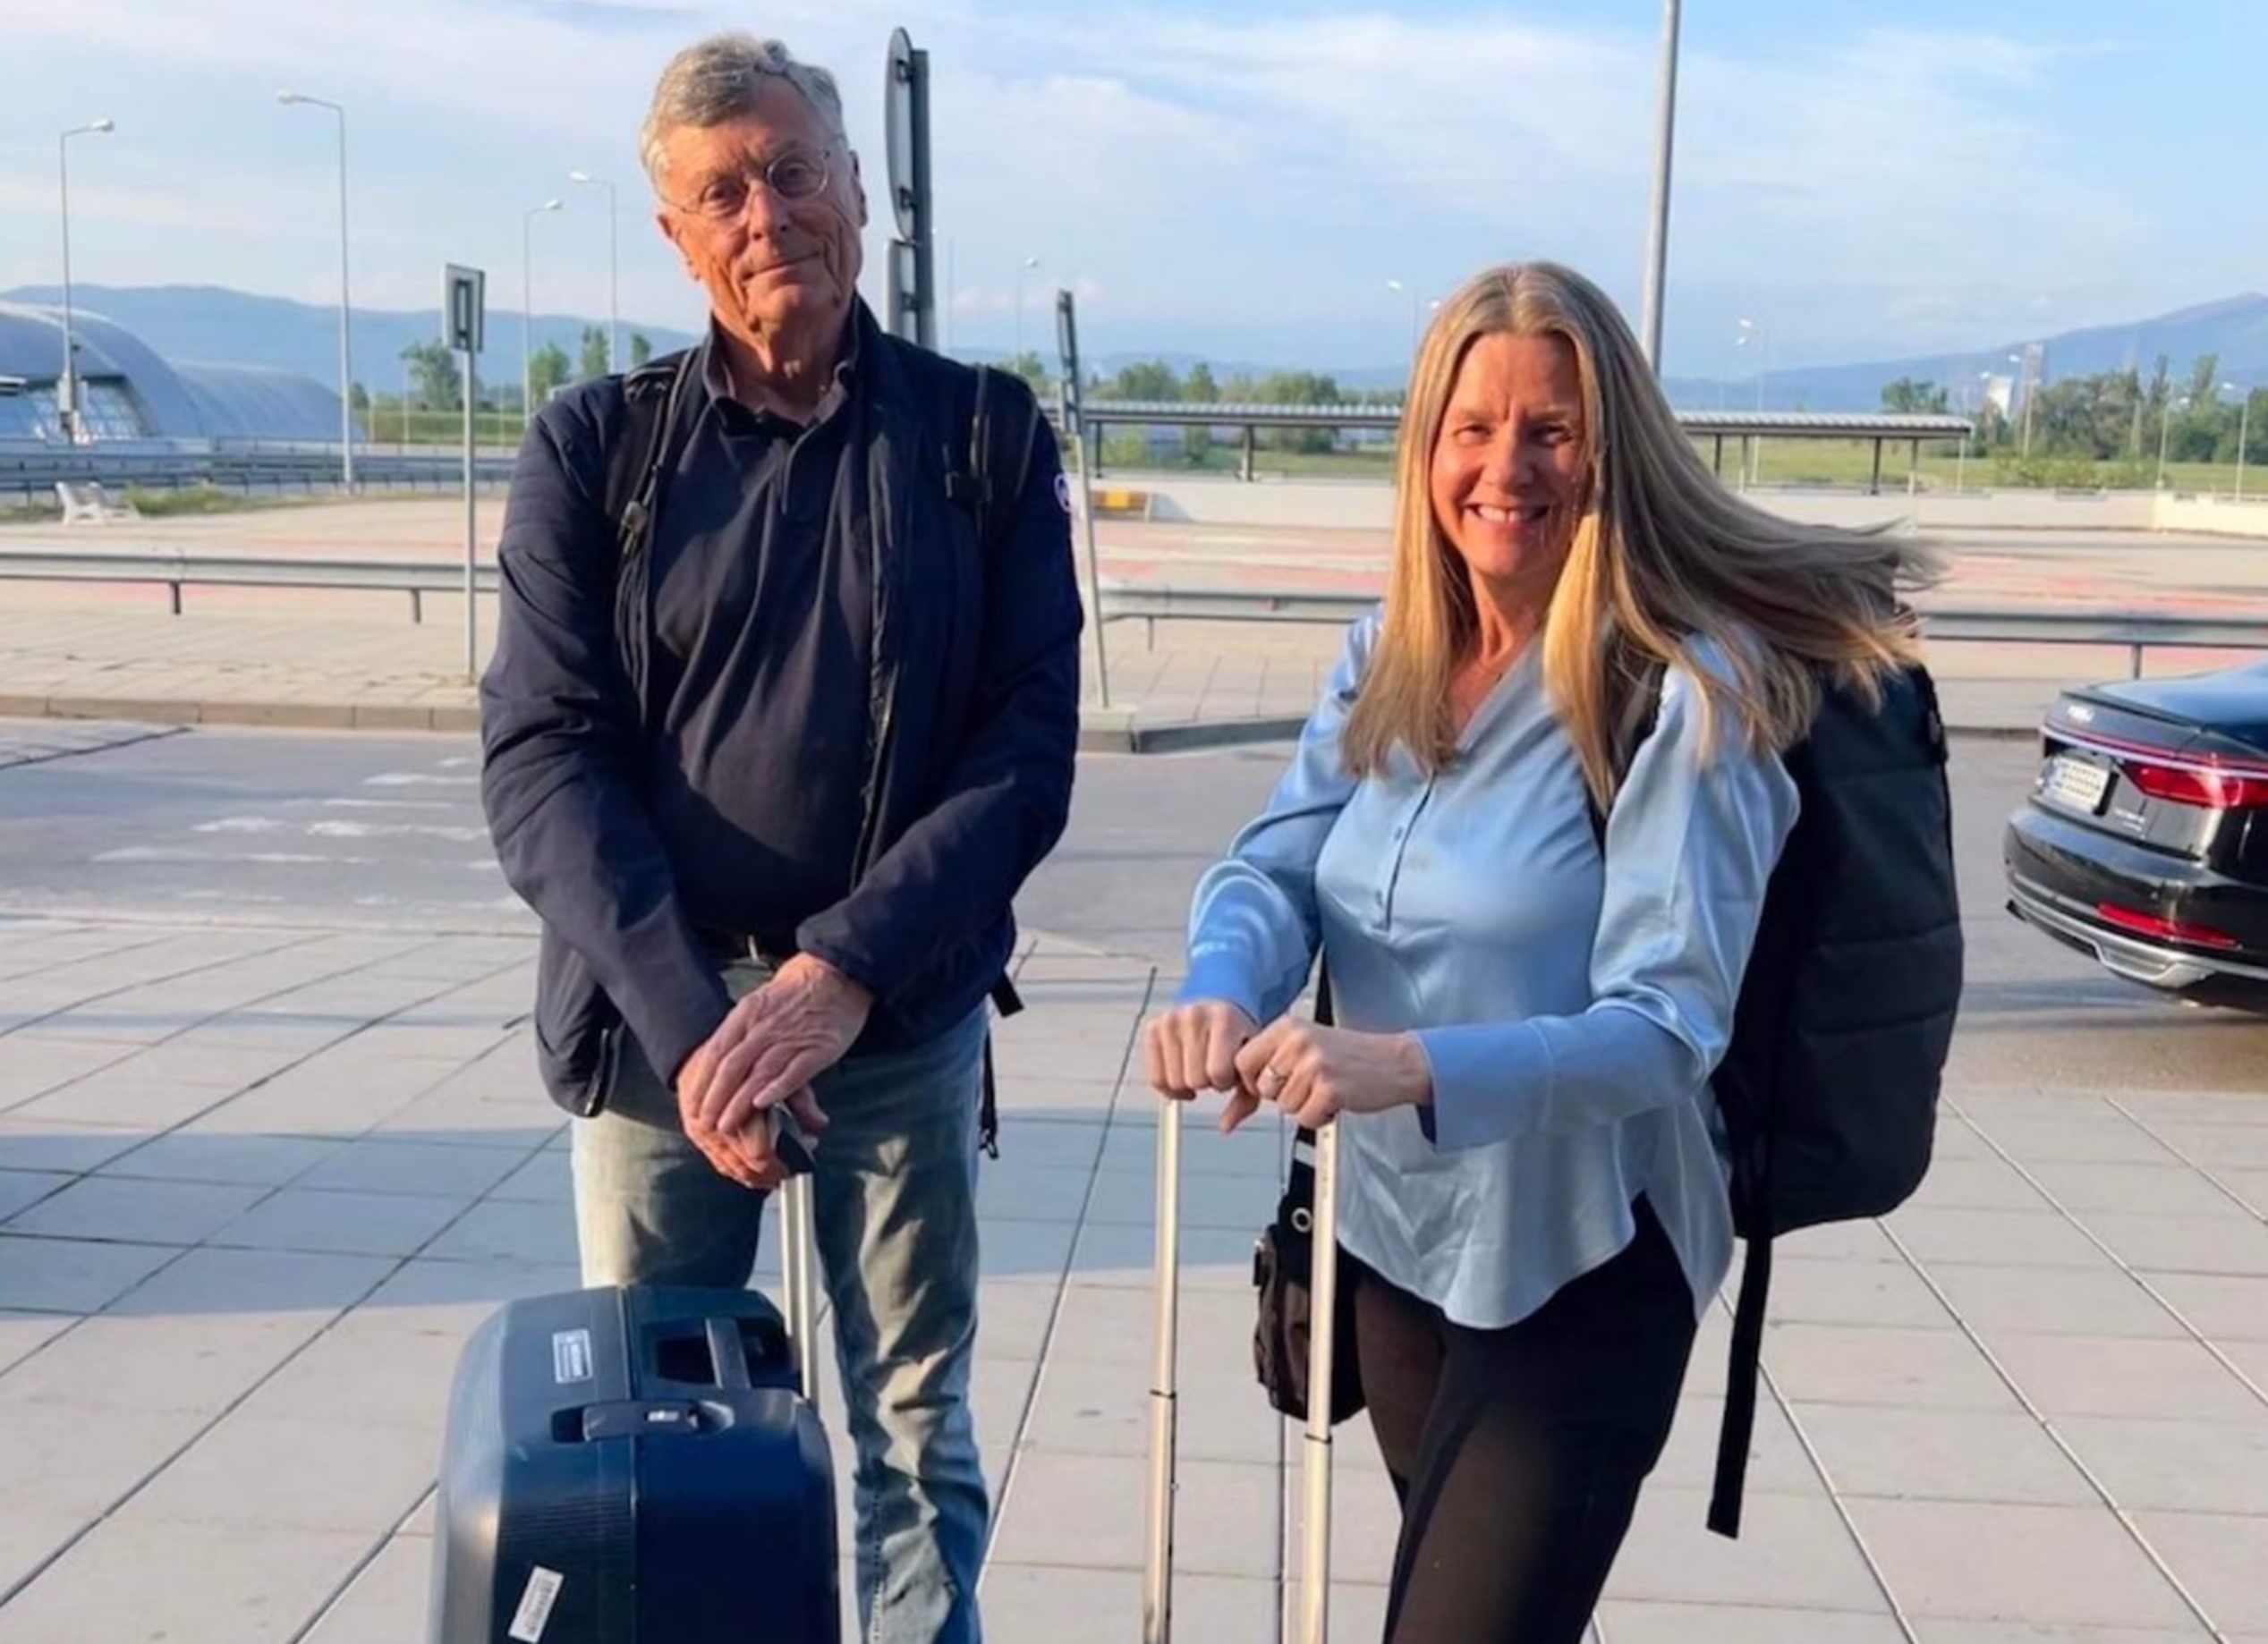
[
  {"x": 359, "y": 397},
  {"x": 1029, "y": 366},
  {"x": 547, "y": 369},
  {"x": 433, "y": 367},
  {"x": 642, "y": 349},
  {"x": 1199, "y": 388},
  {"x": 594, "y": 353},
  {"x": 1908, "y": 396},
  {"x": 1151, "y": 379}
]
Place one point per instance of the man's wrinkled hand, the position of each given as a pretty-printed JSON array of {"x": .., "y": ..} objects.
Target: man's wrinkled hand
[
  {"x": 783, "y": 1036},
  {"x": 746, "y": 1159}
]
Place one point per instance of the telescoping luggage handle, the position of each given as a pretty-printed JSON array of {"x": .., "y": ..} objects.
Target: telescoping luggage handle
[
  {"x": 799, "y": 1268},
  {"x": 1315, "y": 1593}
]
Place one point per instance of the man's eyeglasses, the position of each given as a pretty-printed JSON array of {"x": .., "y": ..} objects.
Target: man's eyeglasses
[{"x": 794, "y": 175}]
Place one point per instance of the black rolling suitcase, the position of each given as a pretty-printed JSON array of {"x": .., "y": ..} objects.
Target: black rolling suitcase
[{"x": 640, "y": 1466}]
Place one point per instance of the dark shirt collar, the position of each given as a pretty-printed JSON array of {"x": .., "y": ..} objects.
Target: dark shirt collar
[{"x": 714, "y": 379}]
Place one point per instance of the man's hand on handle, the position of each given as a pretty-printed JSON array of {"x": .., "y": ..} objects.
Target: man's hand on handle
[{"x": 763, "y": 1057}]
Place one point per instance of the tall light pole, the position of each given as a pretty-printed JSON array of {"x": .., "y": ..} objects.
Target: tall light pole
[
  {"x": 1665, "y": 142},
  {"x": 345, "y": 300},
  {"x": 527, "y": 307},
  {"x": 614, "y": 268},
  {"x": 2244, "y": 429},
  {"x": 67, "y": 384},
  {"x": 1029, "y": 262},
  {"x": 1397, "y": 285},
  {"x": 2165, "y": 430}
]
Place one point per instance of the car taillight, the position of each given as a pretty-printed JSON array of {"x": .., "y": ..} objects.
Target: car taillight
[
  {"x": 2171, "y": 930},
  {"x": 2211, "y": 786}
]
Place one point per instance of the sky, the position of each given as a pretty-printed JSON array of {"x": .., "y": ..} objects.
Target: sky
[{"x": 1859, "y": 182}]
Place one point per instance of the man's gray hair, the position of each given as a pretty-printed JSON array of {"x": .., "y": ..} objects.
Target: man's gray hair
[{"x": 716, "y": 80}]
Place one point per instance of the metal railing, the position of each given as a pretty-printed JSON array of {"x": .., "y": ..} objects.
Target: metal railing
[
  {"x": 1122, "y": 602},
  {"x": 31, "y": 472},
  {"x": 2135, "y": 631}
]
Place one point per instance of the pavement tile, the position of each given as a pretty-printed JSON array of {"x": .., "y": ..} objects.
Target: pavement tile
[
  {"x": 340, "y": 1223},
  {"x": 191, "y": 1154},
  {"x": 1811, "y": 1291},
  {"x": 2038, "y": 1238},
  {"x": 2107, "y": 1375},
  {"x": 1102, "y": 1408},
  {"x": 2221, "y": 1560},
  {"x": 1792, "y": 1551},
  {"x": 1977, "y": 1184},
  {"x": 21, "y": 1189},
  {"x": 196, "y": 1365},
  {"x": 267, "y": 1283},
  {"x": 2167, "y": 1189},
  {"x": 120, "y": 1098},
  {"x": 2230, "y": 1240},
  {"x": 1776, "y": 1459},
  {"x": 1941, "y": 1632},
  {"x": 138, "y": 1211},
  {"x": 1941, "y": 1456},
  {"x": 386, "y": 1603},
  {"x": 380, "y": 1165},
  {"x": 2176, "y": 1466},
  {"x": 73, "y": 1275},
  {"x": 1014, "y": 1250},
  {"x": 86, "y": 1457},
  {"x": 324, "y": 1473},
  {"x": 2222, "y": 1147},
  {"x": 135, "y": 1577},
  {"x": 1862, "y": 1363},
  {"x": 1086, "y": 1511},
  {"x": 509, "y": 1230},
  {"x": 22, "y": 1335},
  {"x": 2074, "y": 1566},
  {"x": 1631, "y": 1622},
  {"x": 2099, "y": 1136},
  {"x": 2035, "y": 1300},
  {"x": 36, "y": 1146},
  {"x": 1024, "y": 1605},
  {"x": 32, "y": 1069},
  {"x": 1015, "y": 1317},
  {"x": 2222, "y": 1308},
  {"x": 375, "y": 1364}
]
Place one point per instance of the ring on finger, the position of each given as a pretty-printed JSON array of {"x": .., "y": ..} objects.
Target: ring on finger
[{"x": 1270, "y": 1081}]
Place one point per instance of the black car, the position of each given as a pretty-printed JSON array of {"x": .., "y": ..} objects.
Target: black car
[{"x": 2144, "y": 843}]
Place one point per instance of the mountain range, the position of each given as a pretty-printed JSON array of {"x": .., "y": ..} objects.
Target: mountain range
[{"x": 212, "y": 323}]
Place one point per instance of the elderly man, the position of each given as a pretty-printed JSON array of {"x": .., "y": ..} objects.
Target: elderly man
[{"x": 783, "y": 711}]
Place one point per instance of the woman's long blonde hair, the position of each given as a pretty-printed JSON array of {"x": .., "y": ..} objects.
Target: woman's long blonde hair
[{"x": 1662, "y": 553}]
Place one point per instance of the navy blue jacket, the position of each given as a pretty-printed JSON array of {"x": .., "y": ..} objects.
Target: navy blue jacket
[{"x": 972, "y": 734}]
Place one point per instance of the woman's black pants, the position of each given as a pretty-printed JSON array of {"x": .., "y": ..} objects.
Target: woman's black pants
[{"x": 1518, "y": 1454}]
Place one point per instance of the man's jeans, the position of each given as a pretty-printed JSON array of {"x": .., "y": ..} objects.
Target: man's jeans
[{"x": 895, "y": 1210}]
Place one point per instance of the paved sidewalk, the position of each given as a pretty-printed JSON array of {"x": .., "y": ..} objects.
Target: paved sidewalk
[
  {"x": 1196, "y": 683},
  {"x": 256, "y": 1186}
]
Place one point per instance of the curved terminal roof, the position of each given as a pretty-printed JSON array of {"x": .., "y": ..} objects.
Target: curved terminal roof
[{"x": 166, "y": 400}]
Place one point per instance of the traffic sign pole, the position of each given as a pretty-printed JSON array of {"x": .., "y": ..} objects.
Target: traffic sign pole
[{"x": 464, "y": 308}]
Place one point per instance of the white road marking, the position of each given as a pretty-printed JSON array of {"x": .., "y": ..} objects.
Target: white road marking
[
  {"x": 374, "y": 830},
  {"x": 239, "y": 825},
  {"x": 392, "y": 804},
  {"x": 416, "y": 779}
]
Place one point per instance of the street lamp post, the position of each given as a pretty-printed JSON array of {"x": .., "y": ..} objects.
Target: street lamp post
[
  {"x": 527, "y": 307},
  {"x": 2244, "y": 427},
  {"x": 2165, "y": 431},
  {"x": 1397, "y": 285},
  {"x": 614, "y": 268},
  {"x": 345, "y": 300},
  {"x": 1029, "y": 262},
  {"x": 1665, "y": 141},
  {"x": 67, "y": 384}
]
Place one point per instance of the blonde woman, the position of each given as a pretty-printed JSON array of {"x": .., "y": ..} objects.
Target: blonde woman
[{"x": 1535, "y": 1209}]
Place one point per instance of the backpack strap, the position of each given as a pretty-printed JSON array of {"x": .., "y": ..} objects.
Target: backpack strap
[
  {"x": 976, "y": 487},
  {"x": 652, "y": 397}
]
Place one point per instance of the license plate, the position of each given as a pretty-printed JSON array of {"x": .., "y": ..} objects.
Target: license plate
[{"x": 2075, "y": 783}]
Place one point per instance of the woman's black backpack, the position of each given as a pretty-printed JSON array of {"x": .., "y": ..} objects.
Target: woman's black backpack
[{"x": 1829, "y": 1086}]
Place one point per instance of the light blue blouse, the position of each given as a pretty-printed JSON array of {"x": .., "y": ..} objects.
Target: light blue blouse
[{"x": 1571, "y": 1010}]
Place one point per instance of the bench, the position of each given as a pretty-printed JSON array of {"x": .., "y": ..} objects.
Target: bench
[{"x": 86, "y": 505}]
